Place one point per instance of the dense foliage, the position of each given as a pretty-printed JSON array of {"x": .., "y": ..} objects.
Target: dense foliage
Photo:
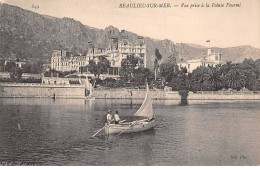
[
  {"x": 98, "y": 67},
  {"x": 128, "y": 67},
  {"x": 245, "y": 75},
  {"x": 235, "y": 76}
]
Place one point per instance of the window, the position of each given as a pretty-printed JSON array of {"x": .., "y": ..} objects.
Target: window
[
  {"x": 116, "y": 71},
  {"x": 188, "y": 66},
  {"x": 216, "y": 57},
  {"x": 110, "y": 71}
]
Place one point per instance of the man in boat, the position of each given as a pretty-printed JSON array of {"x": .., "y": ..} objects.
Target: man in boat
[
  {"x": 116, "y": 118},
  {"x": 109, "y": 117}
]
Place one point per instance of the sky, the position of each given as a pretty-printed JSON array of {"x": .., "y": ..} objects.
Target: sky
[{"x": 223, "y": 26}]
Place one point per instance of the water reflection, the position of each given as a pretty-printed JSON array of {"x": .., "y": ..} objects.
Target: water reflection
[{"x": 184, "y": 102}]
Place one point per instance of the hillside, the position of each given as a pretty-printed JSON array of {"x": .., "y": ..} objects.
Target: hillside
[{"x": 29, "y": 35}]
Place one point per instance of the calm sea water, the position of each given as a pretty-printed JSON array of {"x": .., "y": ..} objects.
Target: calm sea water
[{"x": 58, "y": 132}]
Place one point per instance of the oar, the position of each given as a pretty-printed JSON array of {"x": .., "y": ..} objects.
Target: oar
[
  {"x": 98, "y": 131},
  {"x": 19, "y": 127},
  {"x": 127, "y": 128},
  {"x": 122, "y": 121}
]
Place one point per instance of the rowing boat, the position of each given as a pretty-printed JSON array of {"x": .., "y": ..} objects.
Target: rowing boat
[{"x": 145, "y": 112}]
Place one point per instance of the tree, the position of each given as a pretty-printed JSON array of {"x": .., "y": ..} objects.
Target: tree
[
  {"x": 168, "y": 70},
  {"x": 172, "y": 58},
  {"x": 158, "y": 57},
  {"x": 213, "y": 77},
  {"x": 16, "y": 74},
  {"x": 235, "y": 78},
  {"x": 37, "y": 67},
  {"x": 34, "y": 67},
  {"x": 179, "y": 81},
  {"x": 128, "y": 66},
  {"x": 198, "y": 80},
  {"x": 9, "y": 66},
  {"x": 225, "y": 68},
  {"x": 141, "y": 76},
  {"x": 27, "y": 68},
  {"x": 251, "y": 73},
  {"x": 54, "y": 73},
  {"x": 98, "y": 67}
]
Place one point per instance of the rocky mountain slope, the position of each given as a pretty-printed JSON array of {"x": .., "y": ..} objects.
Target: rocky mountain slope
[{"x": 29, "y": 35}]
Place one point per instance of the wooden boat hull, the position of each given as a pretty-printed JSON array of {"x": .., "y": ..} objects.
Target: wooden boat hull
[
  {"x": 145, "y": 111},
  {"x": 133, "y": 127}
]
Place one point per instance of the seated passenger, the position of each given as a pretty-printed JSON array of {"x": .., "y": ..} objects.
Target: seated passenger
[{"x": 116, "y": 118}]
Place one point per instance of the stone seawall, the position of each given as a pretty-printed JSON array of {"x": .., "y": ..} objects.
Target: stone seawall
[
  {"x": 79, "y": 91},
  {"x": 39, "y": 90},
  {"x": 127, "y": 94},
  {"x": 174, "y": 95}
]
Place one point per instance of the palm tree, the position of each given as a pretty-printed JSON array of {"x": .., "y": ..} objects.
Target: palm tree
[
  {"x": 198, "y": 79},
  {"x": 214, "y": 78},
  {"x": 235, "y": 78},
  {"x": 225, "y": 68}
]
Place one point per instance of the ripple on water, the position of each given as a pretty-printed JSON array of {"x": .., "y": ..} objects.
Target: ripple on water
[{"x": 59, "y": 133}]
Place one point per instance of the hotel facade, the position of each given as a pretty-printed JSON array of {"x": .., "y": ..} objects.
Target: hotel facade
[{"x": 65, "y": 61}]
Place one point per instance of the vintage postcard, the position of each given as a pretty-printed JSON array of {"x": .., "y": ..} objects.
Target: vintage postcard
[{"x": 129, "y": 82}]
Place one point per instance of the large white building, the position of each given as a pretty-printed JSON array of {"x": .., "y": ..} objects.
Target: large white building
[
  {"x": 212, "y": 59},
  {"x": 64, "y": 60}
]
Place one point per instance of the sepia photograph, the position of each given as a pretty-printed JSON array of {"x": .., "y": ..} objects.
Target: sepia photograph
[{"x": 129, "y": 83}]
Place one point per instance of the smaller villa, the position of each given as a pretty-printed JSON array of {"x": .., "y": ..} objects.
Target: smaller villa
[{"x": 212, "y": 59}]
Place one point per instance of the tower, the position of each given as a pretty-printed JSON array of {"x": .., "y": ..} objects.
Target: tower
[{"x": 209, "y": 52}]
